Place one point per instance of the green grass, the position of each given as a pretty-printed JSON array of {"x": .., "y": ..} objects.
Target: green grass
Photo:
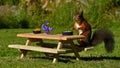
[{"x": 96, "y": 58}]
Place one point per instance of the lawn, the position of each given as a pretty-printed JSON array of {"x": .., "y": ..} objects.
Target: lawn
[{"x": 96, "y": 58}]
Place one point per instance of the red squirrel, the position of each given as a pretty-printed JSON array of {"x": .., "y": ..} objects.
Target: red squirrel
[{"x": 84, "y": 28}]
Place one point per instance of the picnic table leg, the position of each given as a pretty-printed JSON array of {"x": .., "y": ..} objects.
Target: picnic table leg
[
  {"x": 75, "y": 50},
  {"x": 55, "y": 58},
  {"x": 24, "y": 52},
  {"x": 56, "y": 55}
]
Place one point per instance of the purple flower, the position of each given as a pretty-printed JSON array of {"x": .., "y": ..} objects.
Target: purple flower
[{"x": 46, "y": 28}]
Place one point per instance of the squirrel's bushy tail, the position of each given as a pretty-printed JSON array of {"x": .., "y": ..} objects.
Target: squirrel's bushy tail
[{"x": 103, "y": 35}]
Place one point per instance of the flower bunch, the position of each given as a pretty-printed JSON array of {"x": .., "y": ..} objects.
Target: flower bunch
[{"x": 46, "y": 28}]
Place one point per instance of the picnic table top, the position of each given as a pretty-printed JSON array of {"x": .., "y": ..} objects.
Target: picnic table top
[{"x": 50, "y": 36}]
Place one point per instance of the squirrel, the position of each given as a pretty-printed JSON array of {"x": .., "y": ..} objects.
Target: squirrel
[{"x": 84, "y": 28}]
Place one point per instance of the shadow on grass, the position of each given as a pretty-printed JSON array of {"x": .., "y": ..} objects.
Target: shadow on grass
[
  {"x": 60, "y": 59},
  {"x": 69, "y": 59},
  {"x": 100, "y": 58},
  {"x": 92, "y": 58}
]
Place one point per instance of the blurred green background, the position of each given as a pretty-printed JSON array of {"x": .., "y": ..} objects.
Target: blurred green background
[{"x": 59, "y": 13}]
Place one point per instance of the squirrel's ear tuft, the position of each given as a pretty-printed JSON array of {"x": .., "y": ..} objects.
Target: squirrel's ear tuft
[{"x": 81, "y": 12}]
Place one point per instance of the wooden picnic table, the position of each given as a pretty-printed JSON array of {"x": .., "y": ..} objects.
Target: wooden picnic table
[{"x": 47, "y": 47}]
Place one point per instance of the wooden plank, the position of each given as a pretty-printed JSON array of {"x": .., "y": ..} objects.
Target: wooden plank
[
  {"x": 41, "y": 36},
  {"x": 36, "y": 48},
  {"x": 49, "y": 36}
]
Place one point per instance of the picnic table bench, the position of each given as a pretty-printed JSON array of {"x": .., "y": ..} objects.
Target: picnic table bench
[{"x": 52, "y": 48}]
